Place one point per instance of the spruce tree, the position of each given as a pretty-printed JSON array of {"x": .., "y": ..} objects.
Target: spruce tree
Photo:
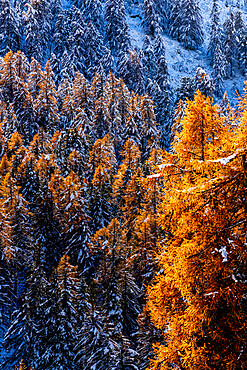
[
  {"x": 93, "y": 11},
  {"x": 150, "y": 21},
  {"x": 9, "y": 28},
  {"x": 117, "y": 32},
  {"x": 241, "y": 38},
  {"x": 191, "y": 33},
  {"x": 219, "y": 69},
  {"x": 61, "y": 318},
  {"x": 131, "y": 70},
  {"x": 149, "y": 58},
  {"x": 175, "y": 20},
  {"x": 203, "y": 82},
  {"x": 215, "y": 31},
  {"x": 230, "y": 43},
  {"x": 163, "y": 9}
]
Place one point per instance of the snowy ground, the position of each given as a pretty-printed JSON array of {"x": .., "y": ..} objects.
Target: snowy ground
[{"x": 182, "y": 62}]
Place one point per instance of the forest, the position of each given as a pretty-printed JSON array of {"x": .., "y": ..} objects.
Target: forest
[{"x": 123, "y": 214}]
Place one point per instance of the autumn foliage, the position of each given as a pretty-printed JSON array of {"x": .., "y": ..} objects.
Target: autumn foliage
[{"x": 198, "y": 299}]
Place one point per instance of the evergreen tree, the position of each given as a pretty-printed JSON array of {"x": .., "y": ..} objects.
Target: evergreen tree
[
  {"x": 37, "y": 29},
  {"x": 175, "y": 20},
  {"x": 241, "y": 37},
  {"x": 219, "y": 70},
  {"x": 95, "y": 347},
  {"x": 24, "y": 334},
  {"x": 163, "y": 9},
  {"x": 149, "y": 58},
  {"x": 71, "y": 208},
  {"x": 230, "y": 43},
  {"x": 203, "y": 82},
  {"x": 9, "y": 28},
  {"x": 132, "y": 72},
  {"x": 94, "y": 49},
  {"x": 117, "y": 33},
  {"x": 93, "y": 12},
  {"x": 191, "y": 34},
  {"x": 215, "y": 31},
  {"x": 159, "y": 47},
  {"x": 186, "y": 89},
  {"x": 58, "y": 351},
  {"x": 150, "y": 21}
]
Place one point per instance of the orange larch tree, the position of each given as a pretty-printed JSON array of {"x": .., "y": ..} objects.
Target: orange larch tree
[{"x": 199, "y": 297}]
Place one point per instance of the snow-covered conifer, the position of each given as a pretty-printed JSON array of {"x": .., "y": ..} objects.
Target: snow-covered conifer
[
  {"x": 132, "y": 72},
  {"x": 215, "y": 31},
  {"x": 186, "y": 89},
  {"x": 175, "y": 20},
  {"x": 163, "y": 9},
  {"x": 230, "y": 42},
  {"x": 191, "y": 33},
  {"x": 149, "y": 58},
  {"x": 241, "y": 38},
  {"x": 117, "y": 30},
  {"x": 93, "y": 11},
  {"x": 150, "y": 21},
  {"x": 38, "y": 29},
  {"x": 159, "y": 46},
  {"x": 9, "y": 28},
  {"x": 219, "y": 69},
  {"x": 203, "y": 82}
]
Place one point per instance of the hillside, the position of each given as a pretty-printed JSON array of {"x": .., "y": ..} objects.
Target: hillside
[
  {"x": 123, "y": 185},
  {"x": 182, "y": 62}
]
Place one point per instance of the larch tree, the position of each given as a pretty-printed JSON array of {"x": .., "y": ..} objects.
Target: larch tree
[{"x": 198, "y": 299}]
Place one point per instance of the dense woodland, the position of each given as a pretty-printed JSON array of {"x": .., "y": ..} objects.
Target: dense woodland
[{"x": 123, "y": 212}]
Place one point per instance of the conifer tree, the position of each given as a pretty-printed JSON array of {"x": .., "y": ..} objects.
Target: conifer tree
[
  {"x": 117, "y": 33},
  {"x": 131, "y": 161},
  {"x": 215, "y": 31},
  {"x": 44, "y": 223},
  {"x": 37, "y": 29},
  {"x": 191, "y": 34},
  {"x": 230, "y": 43},
  {"x": 45, "y": 105},
  {"x": 241, "y": 37},
  {"x": 163, "y": 9},
  {"x": 199, "y": 313},
  {"x": 175, "y": 20},
  {"x": 93, "y": 11},
  {"x": 186, "y": 89},
  {"x": 119, "y": 290},
  {"x": 58, "y": 352},
  {"x": 159, "y": 47},
  {"x": 94, "y": 49},
  {"x": 69, "y": 196},
  {"x": 132, "y": 72},
  {"x": 9, "y": 28},
  {"x": 24, "y": 334},
  {"x": 219, "y": 70},
  {"x": 149, "y": 58},
  {"x": 149, "y": 132},
  {"x": 203, "y": 82},
  {"x": 95, "y": 347},
  {"x": 150, "y": 21}
]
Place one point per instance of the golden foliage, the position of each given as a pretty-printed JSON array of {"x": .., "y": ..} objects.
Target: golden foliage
[{"x": 199, "y": 300}]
